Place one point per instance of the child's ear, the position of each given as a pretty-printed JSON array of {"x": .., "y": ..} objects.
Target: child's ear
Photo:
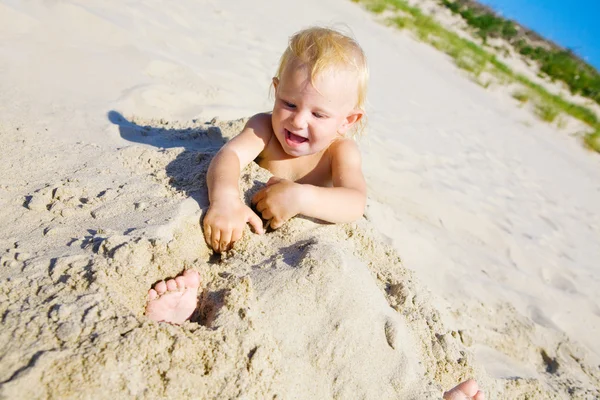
[
  {"x": 352, "y": 118},
  {"x": 275, "y": 82}
]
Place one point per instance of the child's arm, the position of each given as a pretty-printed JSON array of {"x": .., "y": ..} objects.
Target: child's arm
[
  {"x": 227, "y": 214},
  {"x": 344, "y": 202}
]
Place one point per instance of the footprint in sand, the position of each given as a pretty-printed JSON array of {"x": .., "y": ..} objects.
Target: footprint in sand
[
  {"x": 175, "y": 300},
  {"x": 392, "y": 333}
]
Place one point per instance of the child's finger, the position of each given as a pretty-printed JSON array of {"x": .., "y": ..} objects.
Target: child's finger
[
  {"x": 255, "y": 222},
  {"x": 236, "y": 235},
  {"x": 207, "y": 234},
  {"x": 260, "y": 206},
  {"x": 225, "y": 240},
  {"x": 215, "y": 240},
  {"x": 273, "y": 180},
  {"x": 276, "y": 223},
  {"x": 258, "y": 196},
  {"x": 267, "y": 214}
]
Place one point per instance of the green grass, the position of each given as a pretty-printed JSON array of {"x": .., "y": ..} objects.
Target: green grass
[
  {"x": 377, "y": 8},
  {"x": 546, "y": 112},
  {"x": 522, "y": 97},
  {"x": 483, "y": 84},
  {"x": 580, "y": 112},
  {"x": 474, "y": 66},
  {"x": 558, "y": 64},
  {"x": 400, "y": 22},
  {"x": 592, "y": 141},
  {"x": 466, "y": 54},
  {"x": 472, "y": 58}
]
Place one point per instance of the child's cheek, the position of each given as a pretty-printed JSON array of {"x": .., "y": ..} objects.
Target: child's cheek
[{"x": 278, "y": 113}]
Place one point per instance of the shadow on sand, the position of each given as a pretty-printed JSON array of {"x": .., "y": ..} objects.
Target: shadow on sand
[{"x": 200, "y": 142}]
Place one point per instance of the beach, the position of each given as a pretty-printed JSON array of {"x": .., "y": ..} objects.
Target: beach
[{"x": 477, "y": 256}]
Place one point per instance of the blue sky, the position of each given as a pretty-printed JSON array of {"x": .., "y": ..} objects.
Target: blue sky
[{"x": 574, "y": 24}]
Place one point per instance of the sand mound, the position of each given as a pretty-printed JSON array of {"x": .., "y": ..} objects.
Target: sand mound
[
  {"x": 311, "y": 310},
  {"x": 307, "y": 311}
]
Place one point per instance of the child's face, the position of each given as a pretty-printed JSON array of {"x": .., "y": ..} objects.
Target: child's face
[{"x": 307, "y": 118}]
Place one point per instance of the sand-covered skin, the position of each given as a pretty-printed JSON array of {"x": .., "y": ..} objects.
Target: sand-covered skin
[{"x": 477, "y": 256}]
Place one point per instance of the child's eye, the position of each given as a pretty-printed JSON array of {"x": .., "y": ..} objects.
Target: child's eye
[
  {"x": 288, "y": 104},
  {"x": 318, "y": 115}
]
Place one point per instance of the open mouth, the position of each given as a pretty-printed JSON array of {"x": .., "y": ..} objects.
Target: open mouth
[{"x": 294, "y": 139}]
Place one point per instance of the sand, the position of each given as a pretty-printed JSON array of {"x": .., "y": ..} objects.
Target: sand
[{"x": 477, "y": 255}]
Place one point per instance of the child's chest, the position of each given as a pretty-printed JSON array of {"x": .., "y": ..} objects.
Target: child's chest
[{"x": 314, "y": 169}]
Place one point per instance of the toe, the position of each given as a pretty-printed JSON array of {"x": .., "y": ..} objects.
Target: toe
[
  {"x": 152, "y": 294},
  {"x": 180, "y": 280},
  {"x": 171, "y": 285},
  {"x": 192, "y": 278},
  {"x": 160, "y": 287},
  {"x": 465, "y": 390},
  {"x": 479, "y": 396},
  {"x": 469, "y": 387}
]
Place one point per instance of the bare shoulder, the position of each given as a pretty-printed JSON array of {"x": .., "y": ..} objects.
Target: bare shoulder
[
  {"x": 260, "y": 125},
  {"x": 345, "y": 150},
  {"x": 252, "y": 140},
  {"x": 346, "y": 168}
]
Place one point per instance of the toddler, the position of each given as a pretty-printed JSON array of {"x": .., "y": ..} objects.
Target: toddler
[
  {"x": 305, "y": 142},
  {"x": 320, "y": 90}
]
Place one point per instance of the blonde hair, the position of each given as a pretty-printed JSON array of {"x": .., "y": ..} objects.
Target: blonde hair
[{"x": 321, "y": 48}]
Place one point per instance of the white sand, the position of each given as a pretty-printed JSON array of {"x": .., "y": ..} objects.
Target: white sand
[{"x": 103, "y": 110}]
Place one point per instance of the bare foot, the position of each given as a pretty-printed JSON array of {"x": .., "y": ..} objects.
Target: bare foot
[
  {"x": 468, "y": 390},
  {"x": 175, "y": 300}
]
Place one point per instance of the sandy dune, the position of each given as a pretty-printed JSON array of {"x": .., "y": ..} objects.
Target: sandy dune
[{"x": 477, "y": 257}]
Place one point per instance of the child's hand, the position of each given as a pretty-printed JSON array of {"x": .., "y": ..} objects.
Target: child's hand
[
  {"x": 278, "y": 201},
  {"x": 225, "y": 221}
]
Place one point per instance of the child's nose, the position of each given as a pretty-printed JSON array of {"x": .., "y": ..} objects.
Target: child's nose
[{"x": 299, "y": 120}]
